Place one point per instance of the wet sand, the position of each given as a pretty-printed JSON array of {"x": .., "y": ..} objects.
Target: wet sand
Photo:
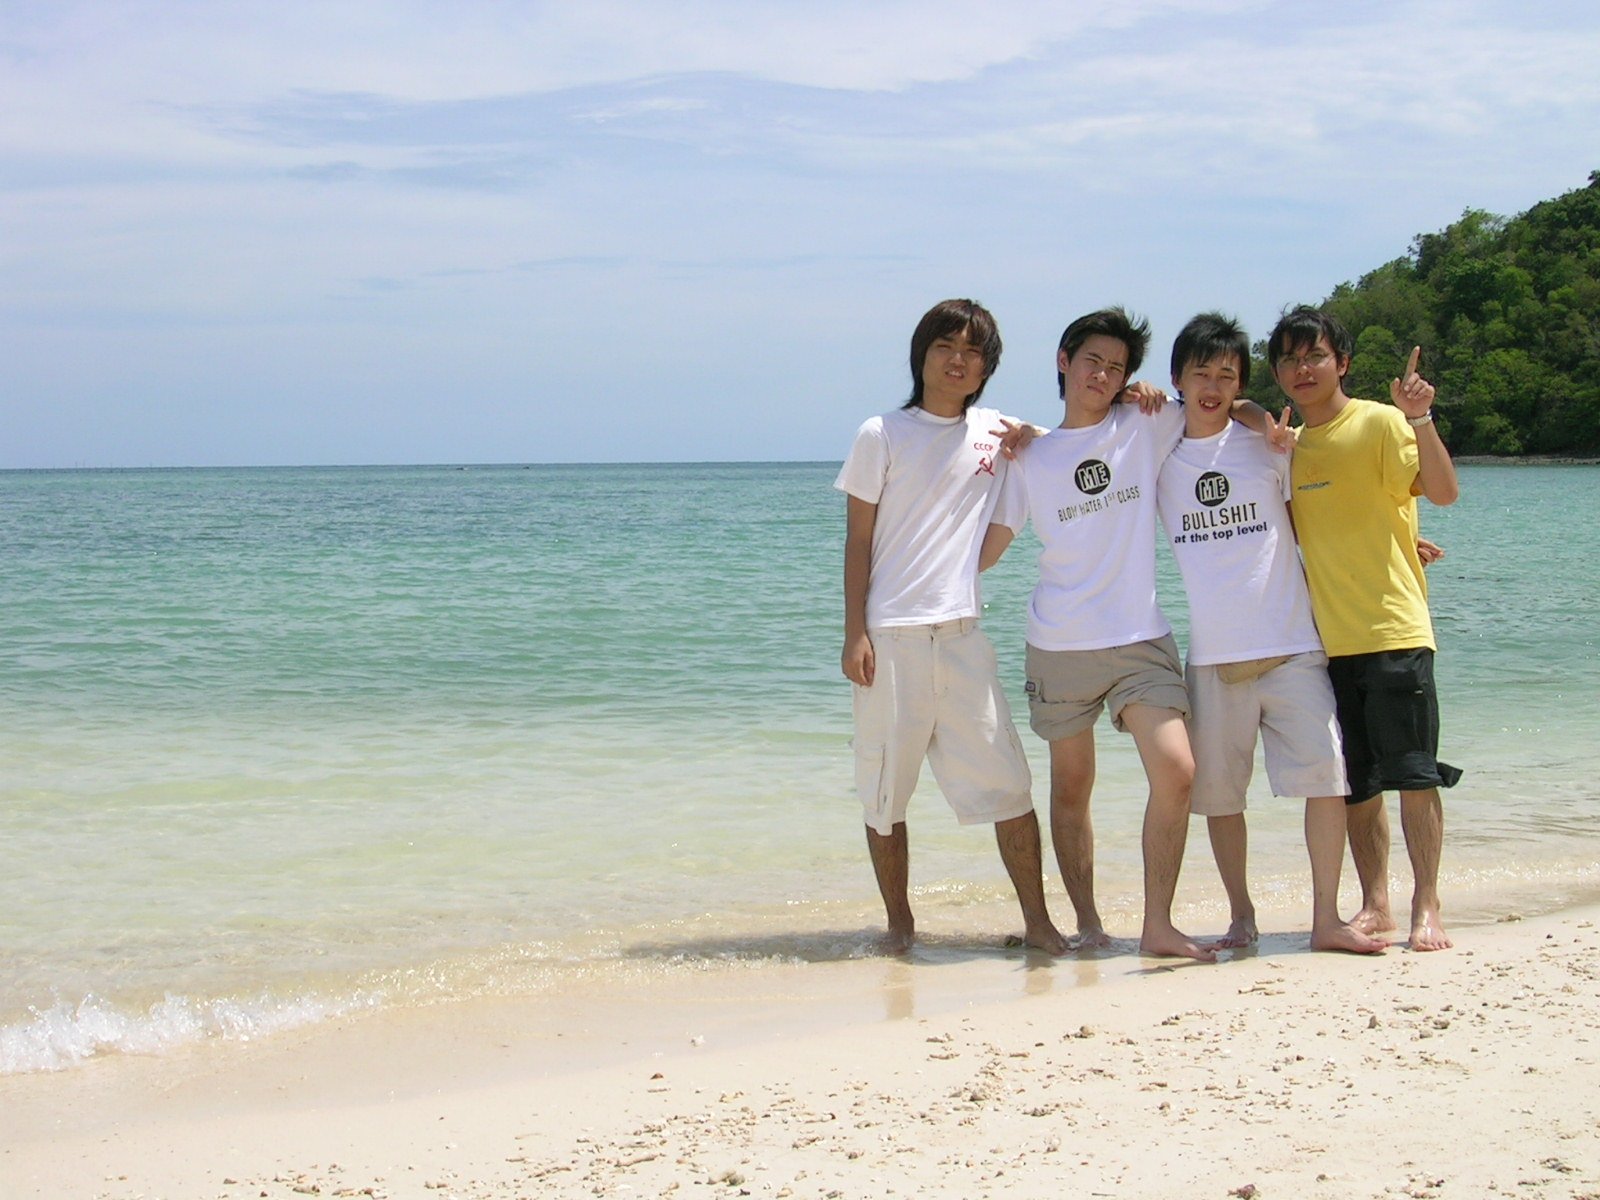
[{"x": 964, "y": 1073}]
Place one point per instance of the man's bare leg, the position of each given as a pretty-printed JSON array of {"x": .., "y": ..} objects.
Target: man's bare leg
[
  {"x": 891, "y": 862},
  {"x": 1230, "y": 847},
  {"x": 1020, "y": 850},
  {"x": 1071, "y": 782},
  {"x": 1368, "y": 826},
  {"x": 1163, "y": 741},
  {"x": 1422, "y": 820},
  {"x": 1325, "y": 834}
]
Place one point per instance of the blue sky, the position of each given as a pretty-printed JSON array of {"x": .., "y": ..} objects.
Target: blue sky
[{"x": 522, "y": 232}]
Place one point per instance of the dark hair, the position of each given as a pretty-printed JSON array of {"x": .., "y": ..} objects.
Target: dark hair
[
  {"x": 1300, "y": 327},
  {"x": 1211, "y": 336},
  {"x": 946, "y": 319},
  {"x": 1133, "y": 332}
]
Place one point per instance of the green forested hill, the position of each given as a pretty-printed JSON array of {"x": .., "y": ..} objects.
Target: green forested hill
[{"x": 1507, "y": 313}]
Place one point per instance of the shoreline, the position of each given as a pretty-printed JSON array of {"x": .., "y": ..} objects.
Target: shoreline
[
  {"x": 962, "y": 1072},
  {"x": 958, "y": 924},
  {"x": 1526, "y": 460}
]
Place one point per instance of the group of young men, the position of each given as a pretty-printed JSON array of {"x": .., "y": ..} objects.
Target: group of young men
[{"x": 1330, "y": 665}]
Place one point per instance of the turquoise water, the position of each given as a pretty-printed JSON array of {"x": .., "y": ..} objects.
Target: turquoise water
[{"x": 281, "y": 743}]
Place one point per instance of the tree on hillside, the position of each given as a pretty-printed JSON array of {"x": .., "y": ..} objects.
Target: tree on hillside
[{"x": 1507, "y": 312}]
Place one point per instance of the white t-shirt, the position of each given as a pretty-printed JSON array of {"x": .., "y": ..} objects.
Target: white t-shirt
[
  {"x": 939, "y": 483},
  {"x": 1092, "y": 499},
  {"x": 1223, "y": 505}
]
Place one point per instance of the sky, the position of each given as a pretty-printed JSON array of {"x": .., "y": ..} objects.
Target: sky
[{"x": 485, "y": 231}]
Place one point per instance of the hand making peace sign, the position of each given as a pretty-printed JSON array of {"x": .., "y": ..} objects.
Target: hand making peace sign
[{"x": 1279, "y": 436}]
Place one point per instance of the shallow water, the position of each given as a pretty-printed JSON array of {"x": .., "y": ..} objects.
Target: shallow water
[{"x": 280, "y": 743}]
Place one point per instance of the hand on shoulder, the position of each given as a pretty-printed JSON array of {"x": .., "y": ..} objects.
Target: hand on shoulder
[
  {"x": 1147, "y": 396},
  {"x": 1016, "y": 436}
]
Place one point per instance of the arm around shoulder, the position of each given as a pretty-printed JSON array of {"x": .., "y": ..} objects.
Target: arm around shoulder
[
  {"x": 1277, "y": 430},
  {"x": 1251, "y": 415},
  {"x": 995, "y": 541}
]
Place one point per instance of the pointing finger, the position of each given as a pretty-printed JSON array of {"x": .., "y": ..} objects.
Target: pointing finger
[{"x": 1411, "y": 364}]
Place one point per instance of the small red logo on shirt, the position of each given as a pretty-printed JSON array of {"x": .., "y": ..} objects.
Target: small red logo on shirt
[{"x": 985, "y": 465}]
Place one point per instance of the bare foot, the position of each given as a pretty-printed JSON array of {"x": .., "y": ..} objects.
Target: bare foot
[
  {"x": 1092, "y": 937},
  {"x": 1241, "y": 933},
  {"x": 1044, "y": 936},
  {"x": 1344, "y": 937},
  {"x": 900, "y": 938},
  {"x": 1372, "y": 919},
  {"x": 1171, "y": 943},
  {"x": 1427, "y": 931}
]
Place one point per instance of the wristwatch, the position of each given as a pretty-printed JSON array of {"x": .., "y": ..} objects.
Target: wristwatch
[{"x": 1414, "y": 422}]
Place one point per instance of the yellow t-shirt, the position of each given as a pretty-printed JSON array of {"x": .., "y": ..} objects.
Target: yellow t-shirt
[{"x": 1354, "y": 502}]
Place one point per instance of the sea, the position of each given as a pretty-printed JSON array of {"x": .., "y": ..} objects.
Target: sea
[{"x": 280, "y": 745}]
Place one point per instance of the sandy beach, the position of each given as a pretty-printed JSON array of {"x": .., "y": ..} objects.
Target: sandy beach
[{"x": 985, "y": 1072}]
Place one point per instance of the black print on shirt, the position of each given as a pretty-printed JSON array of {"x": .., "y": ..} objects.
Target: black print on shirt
[
  {"x": 1218, "y": 524},
  {"x": 1211, "y": 489},
  {"x": 1093, "y": 476}
]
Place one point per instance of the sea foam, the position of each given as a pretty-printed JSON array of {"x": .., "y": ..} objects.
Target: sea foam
[{"x": 67, "y": 1034}]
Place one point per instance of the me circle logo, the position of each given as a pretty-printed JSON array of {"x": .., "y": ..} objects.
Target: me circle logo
[
  {"x": 1211, "y": 489},
  {"x": 1093, "y": 476}
]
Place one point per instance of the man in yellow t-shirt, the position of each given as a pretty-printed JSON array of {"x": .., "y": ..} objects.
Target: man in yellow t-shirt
[{"x": 1357, "y": 471}]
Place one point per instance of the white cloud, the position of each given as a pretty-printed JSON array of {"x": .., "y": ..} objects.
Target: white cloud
[{"x": 269, "y": 193}]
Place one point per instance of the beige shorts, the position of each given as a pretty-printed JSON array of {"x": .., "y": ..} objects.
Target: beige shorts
[
  {"x": 1068, "y": 688},
  {"x": 937, "y": 695},
  {"x": 1292, "y": 707}
]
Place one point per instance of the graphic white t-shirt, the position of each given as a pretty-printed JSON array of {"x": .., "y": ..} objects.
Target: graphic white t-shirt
[
  {"x": 939, "y": 483},
  {"x": 1222, "y": 502},
  {"x": 1092, "y": 499}
]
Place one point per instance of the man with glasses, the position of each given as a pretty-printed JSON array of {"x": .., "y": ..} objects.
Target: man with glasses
[{"x": 1358, "y": 467}]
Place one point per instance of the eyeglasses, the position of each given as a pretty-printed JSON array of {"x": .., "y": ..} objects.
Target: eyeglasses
[{"x": 1315, "y": 360}]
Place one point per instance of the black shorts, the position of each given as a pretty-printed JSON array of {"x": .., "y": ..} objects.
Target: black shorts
[{"x": 1389, "y": 718}]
